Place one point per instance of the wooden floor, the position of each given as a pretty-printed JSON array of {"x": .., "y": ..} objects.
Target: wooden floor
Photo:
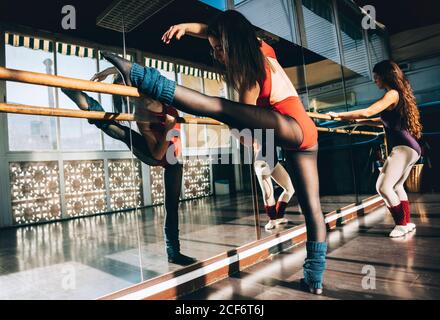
[
  {"x": 106, "y": 253},
  {"x": 405, "y": 268}
]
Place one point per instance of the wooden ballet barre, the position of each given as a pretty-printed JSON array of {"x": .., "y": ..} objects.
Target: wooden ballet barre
[
  {"x": 66, "y": 83},
  {"x": 85, "y": 85},
  {"x": 98, "y": 115},
  {"x": 355, "y": 125},
  {"x": 353, "y": 132},
  {"x": 321, "y": 116},
  {"x": 94, "y": 115}
]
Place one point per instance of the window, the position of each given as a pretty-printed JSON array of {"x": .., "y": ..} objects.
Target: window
[
  {"x": 320, "y": 28},
  {"x": 354, "y": 49},
  {"x": 30, "y": 133},
  {"x": 194, "y": 135},
  {"x": 76, "y": 134},
  {"x": 275, "y": 16},
  {"x": 376, "y": 41},
  {"x": 107, "y": 104},
  {"x": 217, "y": 136}
]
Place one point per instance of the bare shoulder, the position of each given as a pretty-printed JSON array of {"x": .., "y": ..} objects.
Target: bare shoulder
[{"x": 392, "y": 97}]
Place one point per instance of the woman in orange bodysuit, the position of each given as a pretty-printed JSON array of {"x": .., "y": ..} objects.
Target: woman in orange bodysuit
[{"x": 268, "y": 100}]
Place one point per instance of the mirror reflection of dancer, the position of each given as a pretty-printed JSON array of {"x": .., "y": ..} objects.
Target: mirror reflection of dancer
[
  {"x": 245, "y": 57},
  {"x": 150, "y": 147},
  {"x": 401, "y": 119},
  {"x": 275, "y": 210}
]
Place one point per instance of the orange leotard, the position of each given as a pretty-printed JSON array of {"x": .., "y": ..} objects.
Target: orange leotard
[{"x": 277, "y": 92}]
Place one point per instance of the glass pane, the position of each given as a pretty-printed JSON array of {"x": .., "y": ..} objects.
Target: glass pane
[
  {"x": 354, "y": 48},
  {"x": 218, "y": 136},
  {"x": 107, "y": 102},
  {"x": 320, "y": 29},
  {"x": 30, "y": 133},
  {"x": 275, "y": 16},
  {"x": 377, "y": 46},
  {"x": 75, "y": 235},
  {"x": 367, "y": 151},
  {"x": 194, "y": 136},
  {"x": 326, "y": 92},
  {"x": 77, "y": 134}
]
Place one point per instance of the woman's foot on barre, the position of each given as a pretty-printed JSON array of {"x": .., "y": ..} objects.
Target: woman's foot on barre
[
  {"x": 123, "y": 65},
  {"x": 86, "y": 103},
  {"x": 149, "y": 81}
]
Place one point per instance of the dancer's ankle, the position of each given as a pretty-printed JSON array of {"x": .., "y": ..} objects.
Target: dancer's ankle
[
  {"x": 398, "y": 214},
  {"x": 314, "y": 264},
  {"x": 281, "y": 209},
  {"x": 271, "y": 212}
]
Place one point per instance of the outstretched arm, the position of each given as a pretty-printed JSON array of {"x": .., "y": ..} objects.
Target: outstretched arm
[
  {"x": 391, "y": 98},
  {"x": 198, "y": 30},
  {"x": 374, "y": 122}
]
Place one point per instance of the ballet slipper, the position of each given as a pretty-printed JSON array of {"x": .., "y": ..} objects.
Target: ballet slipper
[
  {"x": 270, "y": 225},
  {"x": 399, "y": 231}
]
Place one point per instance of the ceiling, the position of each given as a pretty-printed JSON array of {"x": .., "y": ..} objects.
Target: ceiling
[{"x": 46, "y": 15}]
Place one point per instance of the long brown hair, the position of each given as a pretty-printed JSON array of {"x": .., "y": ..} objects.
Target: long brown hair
[
  {"x": 391, "y": 75},
  {"x": 245, "y": 62}
]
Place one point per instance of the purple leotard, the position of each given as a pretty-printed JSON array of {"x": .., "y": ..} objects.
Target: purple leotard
[{"x": 396, "y": 132}]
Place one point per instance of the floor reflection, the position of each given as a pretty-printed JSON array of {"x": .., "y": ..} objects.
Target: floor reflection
[
  {"x": 405, "y": 268},
  {"x": 89, "y": 257}
]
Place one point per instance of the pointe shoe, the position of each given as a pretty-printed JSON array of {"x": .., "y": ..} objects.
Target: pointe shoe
[
  {"x": 399, "y": 231},
  {"x": 305, "y": 287},
  {"x": 123, "y": 65},
  {"x": 410, "y": 226},
  {"x": 270, "y": 225}
]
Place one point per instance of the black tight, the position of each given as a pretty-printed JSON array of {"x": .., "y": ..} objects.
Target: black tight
[
  {"x": 305, "y": 178},
  {"x": 173, "y": 184},
  {"x": 134, "y": 141},
  {"x": 173, "y": 179},
  {"x": 287, "y": 131},
  {"x": 288, "y": 134}
]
